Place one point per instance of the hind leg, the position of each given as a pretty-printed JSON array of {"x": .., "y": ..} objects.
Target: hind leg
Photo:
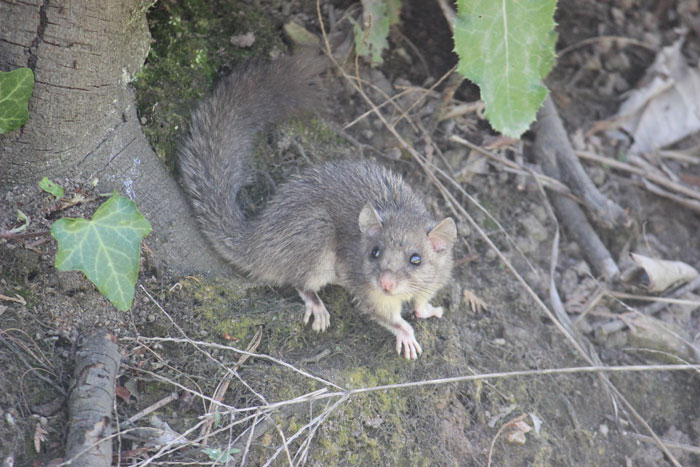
[{"x": 315, "y": 307}]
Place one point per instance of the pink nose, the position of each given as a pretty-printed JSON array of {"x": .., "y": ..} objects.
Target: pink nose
[{"x": 387, "y": 281}]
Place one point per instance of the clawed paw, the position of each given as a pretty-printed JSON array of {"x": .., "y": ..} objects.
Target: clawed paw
[
  {"x": 322, "y": 319},
  {"x": 411, "y": 347},
  {"x": 315, "y": 307}
]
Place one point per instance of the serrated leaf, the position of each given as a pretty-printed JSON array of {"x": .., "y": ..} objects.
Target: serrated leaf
[
  {"x": 16, "y": 88},
  {"x": 371, "y": 37},
  {"x": 106, "y": 249},
  {"x": 50, "y": 187},
  {"x": 507, "y": 48}
]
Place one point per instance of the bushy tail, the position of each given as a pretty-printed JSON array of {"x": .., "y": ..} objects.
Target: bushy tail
[{"x": 214, "y": 157}]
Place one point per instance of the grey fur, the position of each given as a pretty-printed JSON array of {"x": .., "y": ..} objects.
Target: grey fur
[{"x": 308, "y": 235}]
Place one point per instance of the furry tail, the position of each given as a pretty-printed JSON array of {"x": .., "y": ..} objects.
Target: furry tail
[{"x": 214, "y": 157}]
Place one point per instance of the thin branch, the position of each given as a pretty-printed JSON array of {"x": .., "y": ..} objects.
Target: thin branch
[
  {"x": 15, "y": 236},
  {"x": 615, "y": 164}
]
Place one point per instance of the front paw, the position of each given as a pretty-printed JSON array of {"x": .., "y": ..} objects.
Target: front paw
[
  {"x": 427, "y": 311},
  {"x": 406, "y": 339}
]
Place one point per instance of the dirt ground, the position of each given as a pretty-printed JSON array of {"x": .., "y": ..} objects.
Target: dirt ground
[{"x": 184, "y": 334}]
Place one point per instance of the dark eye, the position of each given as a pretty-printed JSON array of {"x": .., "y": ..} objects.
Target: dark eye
[
  {"x": 375, "y": 253},
  {"x": 415, "y": 259}
]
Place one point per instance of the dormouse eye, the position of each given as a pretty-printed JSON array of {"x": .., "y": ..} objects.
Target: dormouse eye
[
  {"x": 415, "y": 259},
  {"x": 375, "y": 253}
]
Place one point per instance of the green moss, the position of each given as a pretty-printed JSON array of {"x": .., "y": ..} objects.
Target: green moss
[
  {"x": 136, "y": 14},
  {"x": 191, "y": 47},
  {"x": 316, "y": 133},
  {"x": 218, "y": 305},
  {"x": 358, "y": 432},
  {"x": 236, "y": 310}
]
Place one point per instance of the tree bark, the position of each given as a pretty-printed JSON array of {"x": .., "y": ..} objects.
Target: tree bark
[{"x": 83, "y": 122}]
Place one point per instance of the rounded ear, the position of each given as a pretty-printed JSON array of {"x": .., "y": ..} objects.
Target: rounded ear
[
  {"x": 444, "y": 235},
  {"x": 370, "y": 222}
]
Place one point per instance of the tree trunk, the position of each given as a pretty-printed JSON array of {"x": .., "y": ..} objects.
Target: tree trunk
[{"x": 82, "y": 115}]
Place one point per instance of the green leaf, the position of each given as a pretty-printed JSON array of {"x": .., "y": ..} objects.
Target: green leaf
[
  {"x": 377, "y": 17},
  {"x": 507, "y": 48},
  {"x": 218, "y": 455},
  {"x": 22, "y": 217},
  {"x": 50, "y": 187},
  {"x": 106, "y": 249},
  {"x": 16, "y": 88}
]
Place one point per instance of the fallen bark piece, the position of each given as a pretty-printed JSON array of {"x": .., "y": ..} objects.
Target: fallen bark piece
[{"x": 91, "y": 400}]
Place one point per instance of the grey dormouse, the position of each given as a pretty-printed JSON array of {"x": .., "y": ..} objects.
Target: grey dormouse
[{"x": 353, "y": 223}]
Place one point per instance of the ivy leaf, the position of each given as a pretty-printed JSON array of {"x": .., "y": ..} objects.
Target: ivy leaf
[
  {"x": 371, "y": 37},
  {"x": 218, "y": 455},
  {"x": 106, "y": 249},
  {"x": 506, "y": 47},
  {"x": 16, "y": 88},
  {"x": 50, "y": 187}
]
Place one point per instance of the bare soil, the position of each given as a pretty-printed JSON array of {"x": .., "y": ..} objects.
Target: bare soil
[{"x": 203, "y": 320}]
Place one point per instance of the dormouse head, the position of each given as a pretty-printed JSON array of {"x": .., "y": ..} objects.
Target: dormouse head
[{"x": 405, "y": 253}]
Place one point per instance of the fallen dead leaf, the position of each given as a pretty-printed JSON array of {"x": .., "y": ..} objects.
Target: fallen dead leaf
[
  {"x": 666, "y": 108},
  {"x": 661, "y": 274}
]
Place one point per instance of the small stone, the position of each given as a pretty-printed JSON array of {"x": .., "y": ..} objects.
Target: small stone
[
  {"x": 534, "y": 228},
  {"x": 516, "y": 437},
  {"x": 652, "y": 39},
  {"x": 455, "y": 156},
  {"x": 618, "y": 16},
  {"x": 401, "y": 52},
  {"x": 582, "y": 268},
  {"x": 298, "y": 35},
  {"x": 649, "y": 21},
  {"x": 569, "y": 280},
  {"x": 526, "y": 244},
  {"x": 380, "y": 80},
  {"x": 540, "y": 213},
  {"x": 463, "y": 229},
  {"x": 393, "y": 153},
  {"x": 243, "y": 40},
  {"x": 617, "y": 62}
]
